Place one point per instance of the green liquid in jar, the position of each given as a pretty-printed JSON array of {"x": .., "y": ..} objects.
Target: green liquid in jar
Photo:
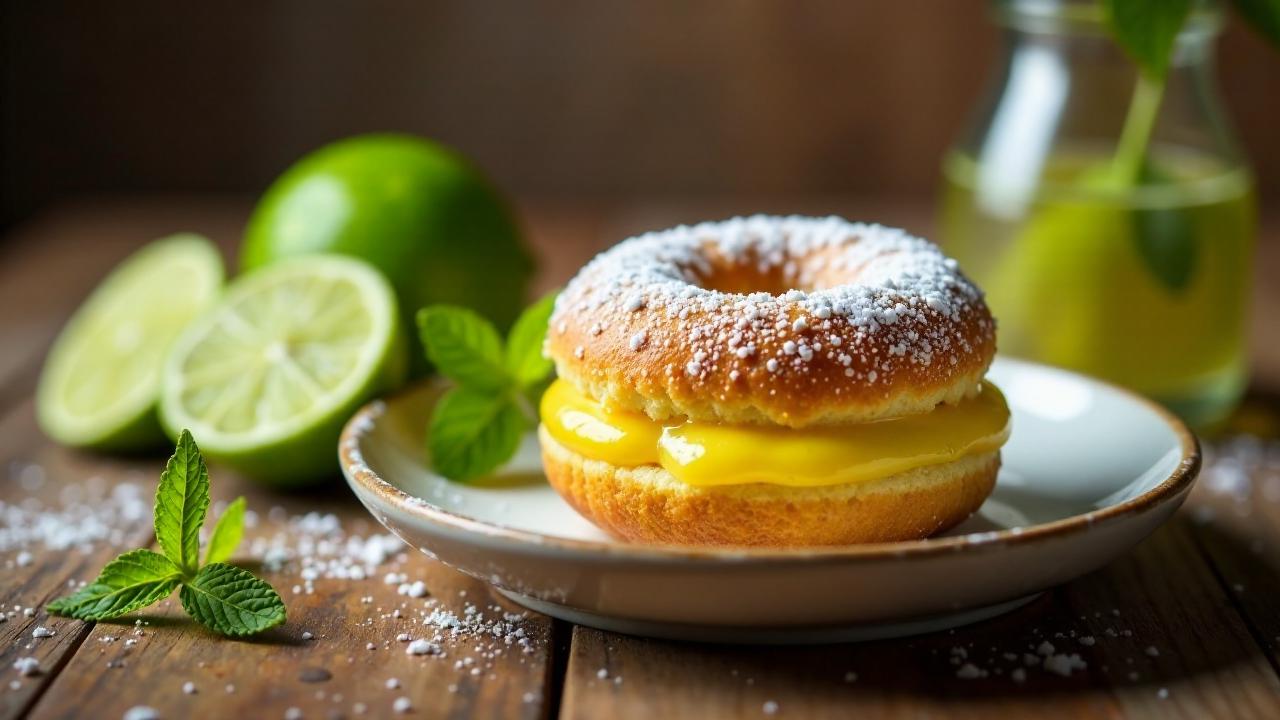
[{"x": 1145, "y": 286}]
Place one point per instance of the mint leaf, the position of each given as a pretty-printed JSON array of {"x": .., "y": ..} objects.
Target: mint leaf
[
  {"x": 1147, "y": 29},
  {"x": 472, "y": 432},
  {"x": 181, "y": 503},
  {"x": 463, "y": 345},
  {"x": 1264, "y": 15},
  {"x": 525, "y": 360},
  {"x": 134, "y": 580},
  {"x": 229, "y": 600},
  {"x": 227, "y": 533},
  {"x": 1164, "y": 237},
  {"x": 1165, "y": 241}
]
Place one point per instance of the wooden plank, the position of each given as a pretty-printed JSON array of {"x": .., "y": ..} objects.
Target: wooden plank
[
  {"x": 47, "y": 266},
  {"x": 1158, "y": 636},
  {"x": 46, "y": 480},
  {"x": 335, "y": 672},
  {"x": 1238, "y": 522},
  {"x": 1264, "y": 334}
]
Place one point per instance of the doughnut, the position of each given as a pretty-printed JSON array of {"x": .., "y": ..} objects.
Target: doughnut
[{"x": 772, "y": 381}]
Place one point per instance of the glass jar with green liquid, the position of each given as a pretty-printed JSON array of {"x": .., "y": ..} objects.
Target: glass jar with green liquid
[{"x": 1109, "y": 217}]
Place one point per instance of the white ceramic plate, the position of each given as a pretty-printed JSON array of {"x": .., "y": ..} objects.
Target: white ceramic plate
[{"x": 1088, "y": 472}]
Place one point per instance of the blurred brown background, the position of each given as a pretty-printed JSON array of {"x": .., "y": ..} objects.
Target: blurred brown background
[{"x": 569, "y": 98}]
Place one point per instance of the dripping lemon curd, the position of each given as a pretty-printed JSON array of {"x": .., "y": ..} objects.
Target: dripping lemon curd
[{"x": 707, "y": 454}]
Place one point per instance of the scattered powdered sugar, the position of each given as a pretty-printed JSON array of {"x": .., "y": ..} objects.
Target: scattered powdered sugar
[
  {"x": 317, "y": 546},
  {"x": 415, "y": 589},
  {"x": 1064, "y": 664},
  {"x": 313, "y": 547},
  {"x": 1051, "y": 655},
  {"x": 1243, "y": 469},
  {"x": 422, "y": 647},
  {"x": 86, "y": 515}
]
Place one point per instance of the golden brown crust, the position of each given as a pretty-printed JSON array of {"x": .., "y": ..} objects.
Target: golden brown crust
[
  {"x": 666, "y": 324},
  {"x": 646, "y": 504}
]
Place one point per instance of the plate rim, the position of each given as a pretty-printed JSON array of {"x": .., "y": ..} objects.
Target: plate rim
[{"x": 1171, "y": 488}]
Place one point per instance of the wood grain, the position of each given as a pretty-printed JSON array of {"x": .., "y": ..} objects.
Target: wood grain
[
  {"x": 1157, "y": 632},
  {"x": 38, "y": 470},
  {"x": 1237, "y": 526}
]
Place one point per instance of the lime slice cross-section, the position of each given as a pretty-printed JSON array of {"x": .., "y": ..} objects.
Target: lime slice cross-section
[
  {"x": 265, "y": 379},
  {"x": 101, "y": 380}
]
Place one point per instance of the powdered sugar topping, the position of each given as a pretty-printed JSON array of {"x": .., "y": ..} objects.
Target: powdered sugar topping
[{"x": 907, "y": 303}]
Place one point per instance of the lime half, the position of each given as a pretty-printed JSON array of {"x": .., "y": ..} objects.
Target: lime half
[
  {"x": 266, "y": 378},
  {"x": 101, "y": 380}
]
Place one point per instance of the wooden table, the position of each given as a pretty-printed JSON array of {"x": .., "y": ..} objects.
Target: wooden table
[{"x": 1188, "y": 625}]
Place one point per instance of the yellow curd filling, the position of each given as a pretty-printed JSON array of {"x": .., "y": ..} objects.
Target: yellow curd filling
[{"x": 705, "y": 454}]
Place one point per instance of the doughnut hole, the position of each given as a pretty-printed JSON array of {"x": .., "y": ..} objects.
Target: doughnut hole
[{"x": 749, "y": 273}]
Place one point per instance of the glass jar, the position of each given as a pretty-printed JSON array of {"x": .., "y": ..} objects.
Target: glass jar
[{"x": 1109, "y": 217}]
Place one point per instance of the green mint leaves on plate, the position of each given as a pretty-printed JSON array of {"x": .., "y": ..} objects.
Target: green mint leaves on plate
[
  {"x": 477, "y": 425},
  {"x": 219, "y": 596}
]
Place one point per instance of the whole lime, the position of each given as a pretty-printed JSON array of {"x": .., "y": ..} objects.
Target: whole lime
[{"x": 414, "y": 209}]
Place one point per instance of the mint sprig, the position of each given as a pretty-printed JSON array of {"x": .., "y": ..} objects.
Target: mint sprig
[
  {"x": 477, "y": 425},
  {"x": 222, "y": 597}
]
